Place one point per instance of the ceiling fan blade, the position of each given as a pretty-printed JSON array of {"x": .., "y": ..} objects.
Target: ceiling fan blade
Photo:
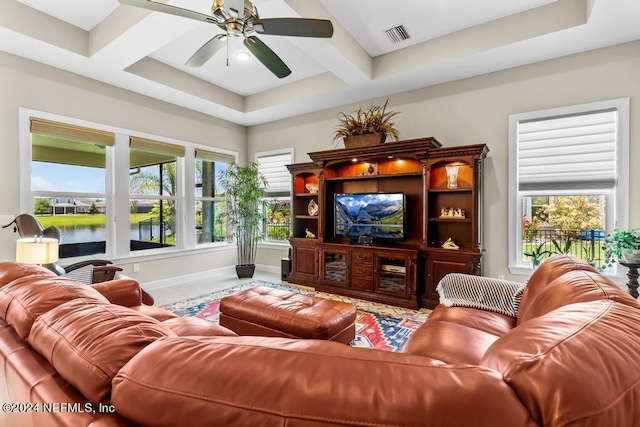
[
  {"x": 172, "y": 10},
  {"x": 268, "y": 57},
  {"x": 207, "y": 51},
  {"x": 300, "y": 27}
]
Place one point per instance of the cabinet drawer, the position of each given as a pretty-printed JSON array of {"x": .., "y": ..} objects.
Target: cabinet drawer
[
  {"x": 362, "y": 257},
  {"x": 362, "y": 270},
  {"x": 362, "y": 283}
]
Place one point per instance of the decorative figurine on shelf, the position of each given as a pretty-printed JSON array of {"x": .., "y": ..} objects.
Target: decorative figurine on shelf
[
  {"x": 312, "y": 187},
  {"x": 452, "y": 213},
  {"x": 309, "y": 234},
  {"x": 449, "y": 244},
  {"x": 370, "y": 169}
]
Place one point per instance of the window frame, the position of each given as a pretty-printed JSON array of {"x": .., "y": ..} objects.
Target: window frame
[
  {"x": 117, "y": 195},
  {"x": 617, "y": 199},
  {"x": 257, "y": 155}
]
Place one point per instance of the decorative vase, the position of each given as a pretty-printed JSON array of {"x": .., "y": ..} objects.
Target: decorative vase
[
  {"x": 452, "y": 176},
  {"x": 632, "y": 256},
  {"x": 364, "y": 140}
]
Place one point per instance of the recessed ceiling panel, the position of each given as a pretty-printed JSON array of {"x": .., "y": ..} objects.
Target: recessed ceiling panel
[
  {"x": 84, "y": 14},
  {"x": 423, "y": 20}
]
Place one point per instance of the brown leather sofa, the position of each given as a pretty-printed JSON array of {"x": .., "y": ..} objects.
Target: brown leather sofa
[{"x": 570, "y": 358}]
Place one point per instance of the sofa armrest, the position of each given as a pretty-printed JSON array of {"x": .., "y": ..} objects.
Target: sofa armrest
[
  {"x": 485, "y": 293},
  {"x": 125, "y": 292}
]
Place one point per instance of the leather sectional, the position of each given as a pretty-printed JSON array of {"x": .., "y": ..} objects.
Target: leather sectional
[{"x": 569, "y": 358}]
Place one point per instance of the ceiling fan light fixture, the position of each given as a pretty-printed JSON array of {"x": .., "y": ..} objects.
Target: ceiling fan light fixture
[{"x": 243, "y": 55}]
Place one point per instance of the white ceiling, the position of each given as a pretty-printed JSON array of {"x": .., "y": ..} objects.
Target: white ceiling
[{"x": 145, "y": 51}]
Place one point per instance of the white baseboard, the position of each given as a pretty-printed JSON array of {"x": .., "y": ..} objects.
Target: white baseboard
[{"x": 171, "y": 281}]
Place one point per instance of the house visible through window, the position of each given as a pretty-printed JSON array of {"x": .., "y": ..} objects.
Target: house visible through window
[
  {"x": 112, "y": 193},
  {"x": 68, "y": 177},
  {"x": 277, "y": 226},
  {"x": 569, "y": 181}
]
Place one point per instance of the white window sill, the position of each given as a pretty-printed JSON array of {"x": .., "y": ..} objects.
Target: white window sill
[{"x": 619, "y": 279}]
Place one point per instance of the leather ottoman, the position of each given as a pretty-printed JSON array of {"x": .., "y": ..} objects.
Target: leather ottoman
[{"x": 276, "y": 313}]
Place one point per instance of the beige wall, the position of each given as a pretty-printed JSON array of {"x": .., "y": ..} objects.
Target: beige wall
[
  {"x": 28, "y": 84},
  {"x": 476, "y": 110},
  {"x": 469, "y": 111}
]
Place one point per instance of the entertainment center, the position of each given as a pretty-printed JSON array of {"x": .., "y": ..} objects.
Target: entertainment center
[{"x": 370, "y": 222}]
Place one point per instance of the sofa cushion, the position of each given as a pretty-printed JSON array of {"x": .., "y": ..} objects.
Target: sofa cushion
[
  {"x": 449, "y": 342},
  {"x": 10, "y": 271},
  {"x": 485, "y": 293},
  {"x": 186, "y": 326},
  {"x": 575, "y": 286},
  {"x": 578, "y": 362},
  {"x": 552, "y": 268},
  {"x": 23, "y": 300},
  {"x": 487, "y": 321},
  {"x": 88, "y": 343}
]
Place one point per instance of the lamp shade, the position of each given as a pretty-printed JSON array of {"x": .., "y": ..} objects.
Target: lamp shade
[{"x": 37, "y": 250}]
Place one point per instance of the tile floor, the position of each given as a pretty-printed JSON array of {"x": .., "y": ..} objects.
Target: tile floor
[{"x": 184, "y": 290}]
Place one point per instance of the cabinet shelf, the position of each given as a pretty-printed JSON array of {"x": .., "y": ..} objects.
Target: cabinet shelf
[
  {"x": 450, "y": 190},
  {"x": 306, "y": 195},
  {"x": 306, "y": 217},
  {"x": 452, "y": 221},
  {"x": 373, "y": 176}
]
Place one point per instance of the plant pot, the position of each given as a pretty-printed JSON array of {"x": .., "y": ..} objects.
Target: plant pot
[
  {"x": 632, "y": 256},
  {"x": 365, "y": 140},
  {"x": 245, "y": 270}
]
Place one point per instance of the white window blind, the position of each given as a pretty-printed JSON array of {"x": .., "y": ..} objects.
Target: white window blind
[
  {"x": 211, "y": 156},
  {"x": 568, "y": 152},
  {"x": 274, "y": 168}
]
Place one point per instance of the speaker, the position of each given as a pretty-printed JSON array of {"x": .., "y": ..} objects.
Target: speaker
[{"x": 285, "y": 267}]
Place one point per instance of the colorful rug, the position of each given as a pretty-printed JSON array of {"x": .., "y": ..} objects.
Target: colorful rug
[{"x": 378, "y": 326}]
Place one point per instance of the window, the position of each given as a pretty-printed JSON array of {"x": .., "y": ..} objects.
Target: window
[
  {"x": 211, "y": 219},
  {"x": 277, "y": 226},
  {"x": 116, "y": 193},
  {"x": 68, "y": 183},
  {"x": 568, "y": 180},
  {"x": 153, "y": 183}
]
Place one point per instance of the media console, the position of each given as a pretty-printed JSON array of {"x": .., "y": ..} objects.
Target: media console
[{"x": 402, "y": 272}]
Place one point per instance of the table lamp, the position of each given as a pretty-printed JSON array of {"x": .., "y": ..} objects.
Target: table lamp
[{"x": 37, "y": 250}]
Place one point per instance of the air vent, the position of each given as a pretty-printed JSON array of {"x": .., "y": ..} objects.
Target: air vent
[{"x": 397, "y": 34}]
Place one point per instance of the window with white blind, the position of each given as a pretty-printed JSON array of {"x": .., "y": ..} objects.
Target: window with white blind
[
  {"x": 568, "y": 172},
  {"x": 272, "y": 164}
]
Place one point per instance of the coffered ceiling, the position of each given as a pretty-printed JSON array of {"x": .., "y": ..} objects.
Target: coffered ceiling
[{"x": 145, "y": 51}]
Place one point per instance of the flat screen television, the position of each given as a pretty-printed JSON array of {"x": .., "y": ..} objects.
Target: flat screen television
[{"x": 378, "y": 215}]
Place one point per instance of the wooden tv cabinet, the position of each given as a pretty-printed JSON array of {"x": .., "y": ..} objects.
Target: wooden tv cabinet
[{"x": 399, "y": 272}]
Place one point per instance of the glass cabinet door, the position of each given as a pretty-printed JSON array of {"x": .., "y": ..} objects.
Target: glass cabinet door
[
  {"x": 391, "y": 275},
  {"x": 334, "y": 267}
]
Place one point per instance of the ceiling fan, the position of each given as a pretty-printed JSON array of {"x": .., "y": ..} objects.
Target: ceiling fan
[{"x": 239, "y": 18}]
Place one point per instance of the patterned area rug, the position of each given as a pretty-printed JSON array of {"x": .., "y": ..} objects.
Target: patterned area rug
[{"x": 377, "y": 325}]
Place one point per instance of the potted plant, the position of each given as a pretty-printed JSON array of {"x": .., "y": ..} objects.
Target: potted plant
[
  {"x": 536, "y": 254},
  {"x": 622, "y": 245},
  {"x": 244, "y": 189},
  {"x": 366, "y": 126}
]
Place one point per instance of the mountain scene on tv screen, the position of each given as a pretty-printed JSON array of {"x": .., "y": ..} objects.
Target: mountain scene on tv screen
[{"x": 375, "y": 215}]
